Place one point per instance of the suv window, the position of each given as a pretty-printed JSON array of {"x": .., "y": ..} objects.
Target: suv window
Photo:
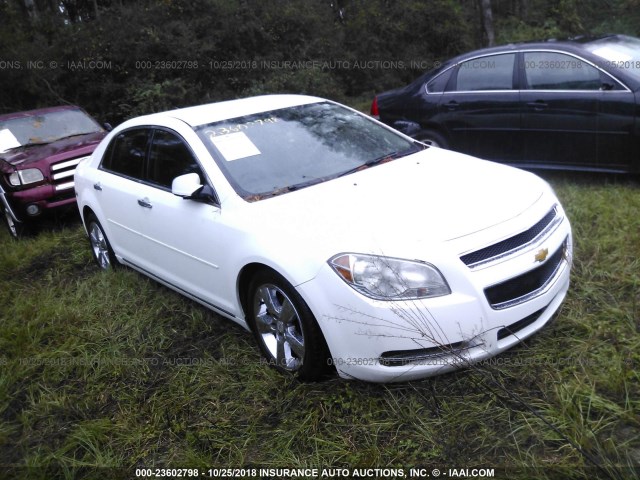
[
  {"x": 46, "y": 127},
  {"x": 169, "y": 158},
  {"x": 557, "y": 71},
  {"x": 125, "y": 155},
  {"x": 494, "y": 72}
]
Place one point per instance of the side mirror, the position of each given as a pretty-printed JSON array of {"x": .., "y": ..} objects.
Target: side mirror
[{"x": 186, "y": 185}]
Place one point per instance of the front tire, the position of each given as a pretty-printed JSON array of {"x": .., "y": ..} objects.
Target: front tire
[
  {"x": 100, "y": 246},
  {"x": 286, "y": 330},
  {"x": 16, "y": 229}
]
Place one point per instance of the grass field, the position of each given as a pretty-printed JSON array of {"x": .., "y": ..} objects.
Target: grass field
[{"x": 101, "y": 374}]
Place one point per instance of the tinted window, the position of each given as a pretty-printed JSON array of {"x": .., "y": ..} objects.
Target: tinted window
[
  {"x": 556, "y": 71},
  {"x": 438, "y": 84},
  {"x": 169, "y": 158},
  {"x": 486, "y": 73},
  {"x": 126, "y": 153},
  {"x": 278, "y": 151}
]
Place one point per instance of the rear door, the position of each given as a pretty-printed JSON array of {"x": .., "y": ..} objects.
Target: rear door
[{"x": 560, "y": 99}]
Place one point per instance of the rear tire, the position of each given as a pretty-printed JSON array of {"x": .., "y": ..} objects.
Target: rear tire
[
  {"x": 287, "y": 332},
  {"x": 432, "y": 138},
  {"x": 100, "y": 246}
]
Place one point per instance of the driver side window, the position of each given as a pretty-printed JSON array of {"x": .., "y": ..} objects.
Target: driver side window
[
  {"x": 169, "y": 157},
  {"x": 557, "y": 71}
]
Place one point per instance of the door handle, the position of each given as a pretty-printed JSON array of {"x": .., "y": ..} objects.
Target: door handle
[
  {"x": 538, "y": 105},
  {"x": 144, "y": 202},
  {"x": 452, "y": 105},
  {"x": 97, "y": 186}
]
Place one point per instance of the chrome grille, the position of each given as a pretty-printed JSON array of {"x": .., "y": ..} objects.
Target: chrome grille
[
  {"x": 512, "y": 244},
  {"x": 62, "y": 173},
  {"x": 526, "y": 286}
]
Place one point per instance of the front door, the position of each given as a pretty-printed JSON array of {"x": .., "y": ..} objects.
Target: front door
[{"x": 480, "y": 108}]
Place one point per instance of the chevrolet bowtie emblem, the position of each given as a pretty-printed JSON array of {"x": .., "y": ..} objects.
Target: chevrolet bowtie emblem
[{"x": 541, "y": 256}]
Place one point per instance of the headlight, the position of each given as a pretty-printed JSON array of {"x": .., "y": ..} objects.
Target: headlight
[
  {"x": 384, "y": 278},
  {"x": 23, "y": 177}
]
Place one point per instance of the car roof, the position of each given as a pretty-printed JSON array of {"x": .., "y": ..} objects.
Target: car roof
[
  {"x": 38, "y": 111},
  {"x": 215, "y": 112},
  {"x": 574, "y": 44}
]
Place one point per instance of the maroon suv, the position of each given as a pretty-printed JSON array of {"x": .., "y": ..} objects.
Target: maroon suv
[{"x": 39, "y": 151}]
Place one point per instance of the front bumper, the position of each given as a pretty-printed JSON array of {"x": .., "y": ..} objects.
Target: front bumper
[
  {"x": 45, "y": 197},
  {"x": 405, "y": 340}
]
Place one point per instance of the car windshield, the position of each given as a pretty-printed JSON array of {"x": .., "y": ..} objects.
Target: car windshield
[
  {"x": 621, "y": 52},
  {"x": 275, "y": 152},
  {"x": 45, "y": 128}
]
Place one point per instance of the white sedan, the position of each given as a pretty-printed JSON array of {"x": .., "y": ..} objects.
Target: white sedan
[{"x": 335, "y": 239}]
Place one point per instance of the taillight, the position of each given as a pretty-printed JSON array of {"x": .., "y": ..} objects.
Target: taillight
[{"x": 374, "y": 108}]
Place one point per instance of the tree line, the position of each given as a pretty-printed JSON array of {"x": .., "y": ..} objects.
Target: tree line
[{"x": 121, "y": 58}]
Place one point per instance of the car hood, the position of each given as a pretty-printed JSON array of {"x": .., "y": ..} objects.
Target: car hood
[
  {"x": 400, "y": 207},
  {"x": 56, "y": 151}
]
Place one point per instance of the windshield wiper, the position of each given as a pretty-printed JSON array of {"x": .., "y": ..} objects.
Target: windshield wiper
[
  {"x": 35, "y": 144},
  {"x": 369, "y": 163},
  {"x": 73, "y": 135},
  {"x": 279, "y": 191},
  {"x": 26, "y": 145},
  {"x": 308, "y": 183},
  {"x": 416, "y": 147}
]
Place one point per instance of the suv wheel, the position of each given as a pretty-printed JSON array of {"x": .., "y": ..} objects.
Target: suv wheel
[{"x": 16, "y": 229}]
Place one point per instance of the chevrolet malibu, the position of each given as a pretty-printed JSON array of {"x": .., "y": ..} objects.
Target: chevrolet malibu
[{"x": 335, "y": 239}]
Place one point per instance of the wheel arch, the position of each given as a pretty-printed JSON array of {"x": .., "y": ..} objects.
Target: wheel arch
[
  {"x": 414, "y": 128},
  {"x": 437, "y": 128},
  {"x": 317, "y": 340},
  {"x": 84, "y": 214},
  {"x": 244, "y": 280},
  {"x": 246, "y": 275}
]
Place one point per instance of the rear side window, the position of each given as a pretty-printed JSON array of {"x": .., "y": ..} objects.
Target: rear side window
[
  {"x": 169, "y": 158},
  {"x": 494, "y": 72},
  {"x": 125, "y": 155},
  {"x": 556, "y": 71},
  {"x": 439, "y": 83}
]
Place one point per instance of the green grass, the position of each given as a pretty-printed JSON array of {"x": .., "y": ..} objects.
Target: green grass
[{"x": 113, "y": 370}]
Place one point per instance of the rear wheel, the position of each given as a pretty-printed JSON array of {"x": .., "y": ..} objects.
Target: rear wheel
[
  {"x": 100, "y": 246},
  {"x": 432, "y": 138},
  {"x": 287, "y": 333}
]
